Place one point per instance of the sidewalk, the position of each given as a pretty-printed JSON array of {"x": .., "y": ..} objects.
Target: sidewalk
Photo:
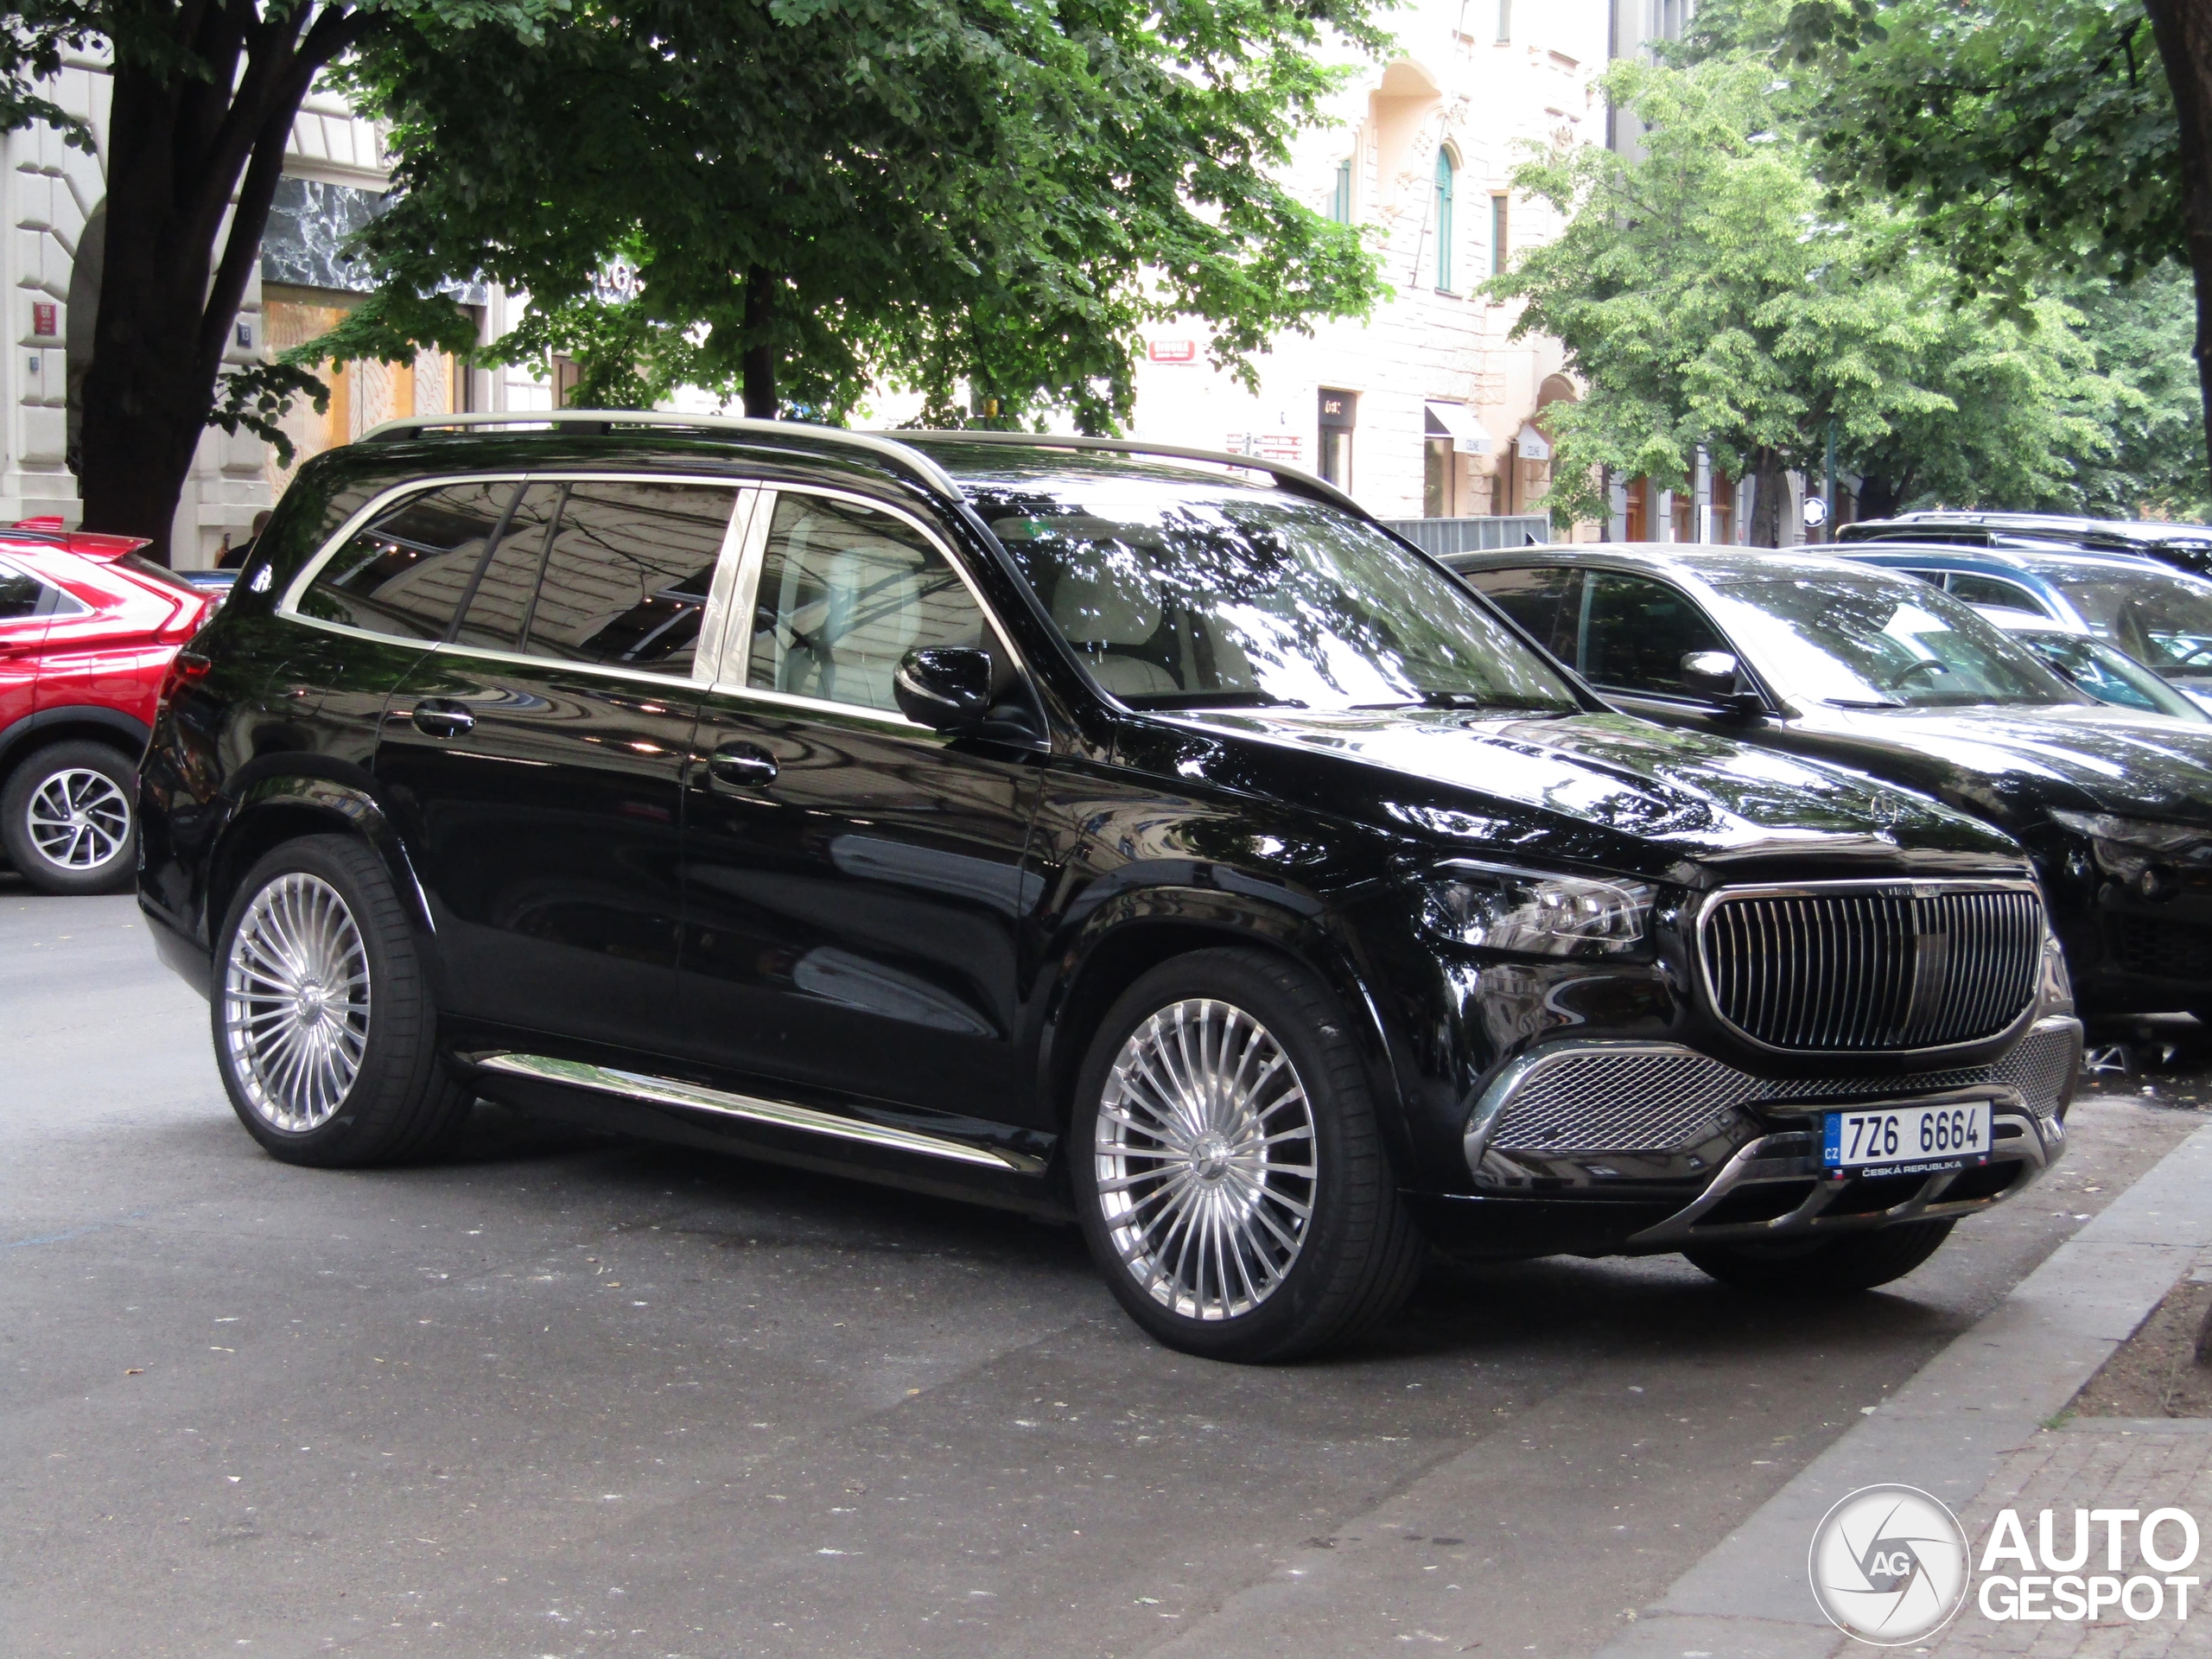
[{"x": 1970, "y": 1429}]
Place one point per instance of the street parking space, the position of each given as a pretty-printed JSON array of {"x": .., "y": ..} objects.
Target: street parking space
[{"x": 571, "y": 1395}]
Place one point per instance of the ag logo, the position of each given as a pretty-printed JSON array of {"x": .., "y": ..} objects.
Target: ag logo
[{"x": 1889, "y": 1565}]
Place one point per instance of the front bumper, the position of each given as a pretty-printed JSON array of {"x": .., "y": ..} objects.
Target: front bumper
[{"x": 1721, "y": 1153}]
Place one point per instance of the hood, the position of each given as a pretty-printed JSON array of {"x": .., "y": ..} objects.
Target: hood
[
  {"x": 1605, "y": 789},
  {"x": 2022, "y": 763}
]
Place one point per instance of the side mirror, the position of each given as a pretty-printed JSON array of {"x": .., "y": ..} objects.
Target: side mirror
[
  {"x": 1716, "y": 677},
  {"x": 944, "y": 687}
]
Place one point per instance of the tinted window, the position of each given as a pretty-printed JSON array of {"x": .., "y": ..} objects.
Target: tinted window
[
  {"x": 1182, "y": 597},
  {"x": 2110, "y": 675},
  {"x": 1995, "y": 592},
  {"x": 500, "y": 603},
  {"x": 845, "y": 593},
  {"x": 2158, "y": 617},
  {"x": 403, "y": 573},
  {"x": 1882, "y": 641},
  {"x": 19, "y": 595},
  {"x": 1538, "y": 601},
  {"x": 1635, "y": 630},
  {"x": 626, "y": 570}
]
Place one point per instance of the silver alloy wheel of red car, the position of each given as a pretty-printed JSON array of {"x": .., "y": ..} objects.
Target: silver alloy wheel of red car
[
  {"x": 77, "y": 819},
  {"x": 1205, "y": 1159},
  {"x": 296, "y": 1001}
]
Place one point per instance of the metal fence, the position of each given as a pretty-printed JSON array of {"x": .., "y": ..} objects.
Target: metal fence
[{"x": 1442, "y": 536}]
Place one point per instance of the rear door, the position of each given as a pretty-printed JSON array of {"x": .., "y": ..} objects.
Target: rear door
[
  {"x": 25, "y": 604},
  {"x": 535, "y": 758}
]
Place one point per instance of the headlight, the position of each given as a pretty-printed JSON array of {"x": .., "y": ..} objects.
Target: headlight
[
  {"x": 2053, "y": 986},
  {"x": 1505, "y": 909},
  {"x": 2142, "y": 834}
]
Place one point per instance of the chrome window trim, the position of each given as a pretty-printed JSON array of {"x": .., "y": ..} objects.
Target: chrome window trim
[
  {"x": 737, "y": 651},
  {"x": 1704, "y": 906}
]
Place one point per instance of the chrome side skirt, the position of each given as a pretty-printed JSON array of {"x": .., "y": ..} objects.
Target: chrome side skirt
[{"x": 750, "y": 1108}]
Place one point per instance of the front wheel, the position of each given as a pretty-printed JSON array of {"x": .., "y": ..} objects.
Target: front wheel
[
  {"x": 1228, "y": 1167},
  {"x": 325, "y": 1030},
  {"x": 66, "y": 819},
  {"x": 1829, "y": 1267}
]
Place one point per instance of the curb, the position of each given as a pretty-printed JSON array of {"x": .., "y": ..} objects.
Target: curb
[{"x": 1981, "y": 1399}]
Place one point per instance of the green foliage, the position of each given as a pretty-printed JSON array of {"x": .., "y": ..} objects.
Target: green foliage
[
  {"x": 999, "y": 193},
  {"x": 1715, "y": 292},
  {"x": 257, "y": 397}
]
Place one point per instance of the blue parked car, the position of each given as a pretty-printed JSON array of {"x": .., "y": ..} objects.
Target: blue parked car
[{"x": 2159, "y": 616}]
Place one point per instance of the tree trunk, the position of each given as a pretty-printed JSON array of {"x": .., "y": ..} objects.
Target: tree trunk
[
  {"x": 1771, "y": 487},
  {"x": 184, "y": 154},
  {"x": 2183, "y": 31},
  {"x": 759, "y": 361}
]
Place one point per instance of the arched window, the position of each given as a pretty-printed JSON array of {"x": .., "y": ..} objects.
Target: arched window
[{"x": 1444, "y": 171}]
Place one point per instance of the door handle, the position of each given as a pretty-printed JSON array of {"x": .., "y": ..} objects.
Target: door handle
[
  {"x": 436, "y": 717},
  {"x": 742, "y": 764}
]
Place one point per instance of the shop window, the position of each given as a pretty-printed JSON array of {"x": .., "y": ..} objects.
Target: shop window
[
  {"x": 1336, "y": 416},
  {"x": 1637, "y": 520},
  {"x": 1340, "y": 198},
  {"x": 1724, "y": 510},
  {"x": 1501, "y": 224}
]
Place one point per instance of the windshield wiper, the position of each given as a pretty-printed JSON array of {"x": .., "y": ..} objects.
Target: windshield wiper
[
  {"x": 1164, "y": 700},
  {"x": 1465, "y": 700},
  {"x": 1855, "y": 702}
]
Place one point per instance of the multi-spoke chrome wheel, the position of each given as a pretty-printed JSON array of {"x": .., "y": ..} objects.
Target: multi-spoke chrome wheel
[
  {"x": 1205, "y": 1159},
  {"x": 296, "y": 1001},
  {"x": 79, "y": 819}
]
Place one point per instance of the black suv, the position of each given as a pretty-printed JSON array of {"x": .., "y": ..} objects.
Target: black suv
[{"x": 1144, "y": 836}]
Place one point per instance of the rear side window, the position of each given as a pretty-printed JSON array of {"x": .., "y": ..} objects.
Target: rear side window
[
  {"x": 19, "y": 595},
  {"x": 405, "y": 572},
  {"x": 1992, "y": 591},
  {"x": 611, "y": 571},
  {"x": 1537, "y": 599}
]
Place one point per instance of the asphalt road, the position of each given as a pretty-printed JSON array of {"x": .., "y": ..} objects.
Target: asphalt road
[{"x": 567, "y": 1396}]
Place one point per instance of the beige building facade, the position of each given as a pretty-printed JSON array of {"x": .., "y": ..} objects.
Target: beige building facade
[{"x": 1427, "y": 409}]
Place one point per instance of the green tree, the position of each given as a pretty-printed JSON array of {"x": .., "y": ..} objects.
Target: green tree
[
  {"x": 816, "y": 195},
  {"x": 204, "y": 93},
  {"x": 2028, "y": 137},
  {"x": 1709, "y": 295}
]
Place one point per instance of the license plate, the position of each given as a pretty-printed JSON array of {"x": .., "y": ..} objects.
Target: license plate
[{"x": 1909, "y": 1139}]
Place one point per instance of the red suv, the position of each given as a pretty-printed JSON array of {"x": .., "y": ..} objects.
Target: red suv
[{"x": 87, "y": 630}]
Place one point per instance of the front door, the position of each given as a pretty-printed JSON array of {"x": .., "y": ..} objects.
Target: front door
[
  {"x": 536, "y": 758},
  {"x": 858, "y": 887}
]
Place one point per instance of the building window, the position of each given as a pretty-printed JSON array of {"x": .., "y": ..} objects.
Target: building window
[
  {"x": 1724, "y": 510},
  {"x": 1636, "y": 521},
  {"x": 1500, "y": 226},
  {"x": 1341, "y": 196},
  {"x": 1444, "y": 171},
  {"x": 1504, "y": 21}
]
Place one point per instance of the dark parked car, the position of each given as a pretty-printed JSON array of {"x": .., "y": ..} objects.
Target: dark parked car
[
  {"x": 2187, "y": 546},
  {"x": 1881, "y": 672},
  {"x": 87, "y": 628},
  {"x": 1118, "y": 833},
  {"x": 2160, "y": 616},
  {"x": 2096, "y": 666}
]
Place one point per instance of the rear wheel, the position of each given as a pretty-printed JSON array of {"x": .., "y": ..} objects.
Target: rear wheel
[
  {"x": 67, "y": 818},
  {"x": 1828, "y": 1266},
  {"x": 325, "y": 1031},
  {"x": 1228, "y": 1167}
]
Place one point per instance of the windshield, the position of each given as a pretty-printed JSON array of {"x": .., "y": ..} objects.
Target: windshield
[
  {"x": 2109, "y": 674},
  {"x": 1883, "y": 642},
  {"x": 2162, "y": 620},
  {"x": 1183, "y": 598}
]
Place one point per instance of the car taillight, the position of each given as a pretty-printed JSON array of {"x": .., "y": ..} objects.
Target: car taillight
[{"x": 185, "y": 667}]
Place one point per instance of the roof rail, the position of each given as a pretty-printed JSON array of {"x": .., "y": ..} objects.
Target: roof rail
[
  {"x": 915, "y": 464},
  {"x": 1294, "y": 477}
]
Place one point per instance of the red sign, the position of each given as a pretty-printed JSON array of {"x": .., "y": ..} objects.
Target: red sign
[
  {"x": 45, "y": 319},
  {"x": 1280, "y": 446},
  {"x": 1174, "y": 351}
]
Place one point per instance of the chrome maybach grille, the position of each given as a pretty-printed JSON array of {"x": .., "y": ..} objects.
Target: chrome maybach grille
[
  {"x": 1874, "y": 966},
  {"x": 1663, "y": 1098}
]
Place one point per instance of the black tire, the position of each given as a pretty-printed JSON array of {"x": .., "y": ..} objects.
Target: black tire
[
  {"x": 1359, "y": 1253},
  {"x": 61, "y": 768},
  {"x": 1829, "y": 1267},
  {"x": 403, "y": 1104}
]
